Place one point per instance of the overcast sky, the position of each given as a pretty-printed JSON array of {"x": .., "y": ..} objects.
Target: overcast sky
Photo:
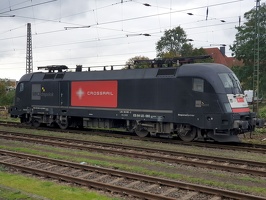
[{"x": 112, "y": 30}]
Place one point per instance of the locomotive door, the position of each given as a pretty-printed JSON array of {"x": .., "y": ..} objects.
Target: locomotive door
[
  {"x": 23, "y": 95},
  {"x": 64, "y": 93}
]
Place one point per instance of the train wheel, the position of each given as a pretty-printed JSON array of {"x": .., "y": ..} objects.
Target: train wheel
[
  {"x": 63, "y": 126},
  {"x": 188, "y": 136},
  {"x": 63, "y": 122},
  {"x": 36, "y": 123},
  {"x": 142, "y": 132}
]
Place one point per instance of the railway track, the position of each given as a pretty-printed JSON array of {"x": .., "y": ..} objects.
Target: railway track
[
  {"x": 203, "y": 161},
  {"x": 115, "y": 181},
  {"x": 248, "y": 147}
]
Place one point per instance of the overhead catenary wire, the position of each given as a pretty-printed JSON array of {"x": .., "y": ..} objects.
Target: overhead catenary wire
[
  {"x": 154, "y": 33},
  {"x": 11, "y": 10},
  {"x": 97, "y": 39},
  {"x": 64, "y": 44},
  {"x": 129, "y": 19},
  {"x": 10, "y": 6},
  {"x": 77, "y": 27},
  {"x": 155, "y": 15}
]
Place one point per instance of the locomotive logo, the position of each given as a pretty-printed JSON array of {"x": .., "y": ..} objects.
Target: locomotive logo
[
  {"x": 38, "y": 91},
  {"x": 94, "y": 93},
  {"x": 80, "y": 93}
]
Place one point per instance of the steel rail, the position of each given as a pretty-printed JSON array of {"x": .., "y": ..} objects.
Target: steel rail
[
  {"x": 94, "y": 184},
  {"x": 129, "y": 147},
  {"x": 62, "y": 143},
  {"x": 256, "y": 148}
]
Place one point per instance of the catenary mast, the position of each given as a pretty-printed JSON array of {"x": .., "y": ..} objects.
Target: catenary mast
[
  {"x": 29, "y": 64},
  {"x": 256, "y": 69}
]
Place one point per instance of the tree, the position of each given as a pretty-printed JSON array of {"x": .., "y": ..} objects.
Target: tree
[
  {"x": 2, "y": 88},
  {"x": 244, "y": 74},
  {"x": 244, "y": 46},
  {"x": 131, "y": 62},
  {"x": 6, "y": 96},
  {"x": 174, "y": 43}
]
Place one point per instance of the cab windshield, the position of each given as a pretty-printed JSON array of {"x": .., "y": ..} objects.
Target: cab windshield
[{"x": 230, "y": 83}]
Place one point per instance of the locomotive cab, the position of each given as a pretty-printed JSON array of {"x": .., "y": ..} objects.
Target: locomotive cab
[
  {"x": 225, "y": 110},
  {"x": 22, "y": 101}
]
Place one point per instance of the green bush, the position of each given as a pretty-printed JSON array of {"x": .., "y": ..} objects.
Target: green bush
[
  {"x": 262, "y": 112},
  {"x": 7, "y": 98},
  {"x": 7, "y": 93}
]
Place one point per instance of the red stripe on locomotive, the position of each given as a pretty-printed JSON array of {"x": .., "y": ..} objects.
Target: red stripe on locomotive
[{"x": 239, "y": 110}]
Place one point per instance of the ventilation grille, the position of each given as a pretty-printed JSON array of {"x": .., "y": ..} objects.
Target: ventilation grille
[
  {"x": 166, "y": 73},
  {"x": 49, "y": 76},
  {"x": 53, "y": 76},
  {"x": 59, "y": 76}
]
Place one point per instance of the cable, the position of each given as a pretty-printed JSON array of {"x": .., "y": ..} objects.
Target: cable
[
  {"x": 106, "y": 28},
  {"x": 104, "y": 39},
  {"x": 97, "y": 24},
  {"x": 165, "y": 13},
  {"x": 95, "y": 56},
  {"x": 146, "y": 16},
  {"x": 28, "y": 6},
  {"x": 9, "y": 7}
]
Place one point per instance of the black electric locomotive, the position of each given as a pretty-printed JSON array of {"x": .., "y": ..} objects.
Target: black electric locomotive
[{"x": 194, "y": 101}]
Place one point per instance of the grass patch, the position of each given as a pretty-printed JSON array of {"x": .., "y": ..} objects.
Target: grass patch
[
  {"x": 230, "y": 186},
  {"x": 9, "y": 194},
  {"x": 2, "y": 168},
  {"x": 9, "y": 119},
  {"x": 30, "y": 187},
  {"x": 251, "y": 179}
]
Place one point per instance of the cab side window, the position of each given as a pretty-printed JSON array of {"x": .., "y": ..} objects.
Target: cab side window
[
  {"x": 198, "y": 85},
  {"x": 21, "y": 87}
]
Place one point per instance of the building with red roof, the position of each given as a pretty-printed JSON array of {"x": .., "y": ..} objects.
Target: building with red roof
[{"x": 219, "y": 56}]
